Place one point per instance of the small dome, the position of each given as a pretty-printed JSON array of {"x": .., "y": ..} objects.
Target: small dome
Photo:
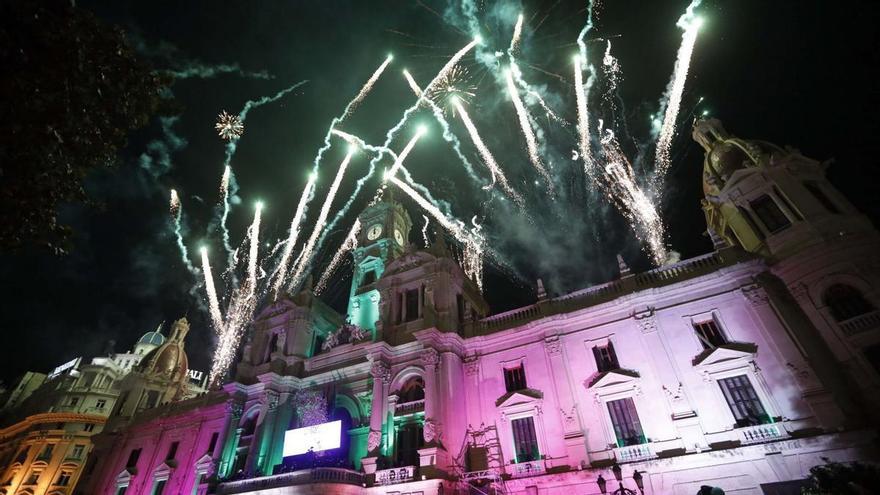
[
  {"x": 169, "y": 359},
  {"x": 152, "y": 338}
]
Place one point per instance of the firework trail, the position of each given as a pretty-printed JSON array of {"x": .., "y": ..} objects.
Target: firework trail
[
  {"x": 228, "y": 188},
  {"x": 525, "y": 125},
  {"x": 308, "y": 248},
  {"x": 448, "y": 136},
  {"x": 293, "y": 234},
  {"x": 586, "y": 153},
  {"x": 213, "y": 302},
  {"x": 177, "y": 215},
  {"x": 517, "y": 34},
  {"x": 255, "y": 245},
  {"x": 425, "y": 231},
  {"x": 365, "y": 89},
  {"x": 406, "y": 150},
  {"x": 611, "y": 70},
  {"x": 488, "y": 159},
  {"x": 675, "y": 90},
  {"x": 228, "y": 126},
  {"x": 348, "y": 244}
]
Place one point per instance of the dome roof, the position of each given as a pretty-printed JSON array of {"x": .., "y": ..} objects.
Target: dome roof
[
  {"x": 152, "y": 338},
  {"x": 169, "y": 359}
]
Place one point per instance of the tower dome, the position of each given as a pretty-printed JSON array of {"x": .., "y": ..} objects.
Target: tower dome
[
  {"x": 169, "y": 359},
  {"x": 149, "y": 341}
]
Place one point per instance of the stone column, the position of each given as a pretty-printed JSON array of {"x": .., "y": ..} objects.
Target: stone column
[
  {"x": 234, "y": 410},
  {"x": 569, "y": 417},
  {"x": 265, "y": 435},
  {"x": 381, "y": 376},
  {"x": 431, "y": 431}
]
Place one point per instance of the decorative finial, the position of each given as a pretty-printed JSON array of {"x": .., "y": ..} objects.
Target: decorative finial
[
  {"x": 542, "y": 293},
  {"x": 622, "y": 266}
]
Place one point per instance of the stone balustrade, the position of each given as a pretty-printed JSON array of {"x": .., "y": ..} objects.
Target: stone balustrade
[
  {"x": 395, "y": 475},
  {"x": 526, "y": 469},
  {"x": 761, "y": 433},
  {"x": 633, "y": 453}
]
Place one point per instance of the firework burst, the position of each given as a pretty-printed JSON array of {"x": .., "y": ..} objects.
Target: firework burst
[{"x": 228, "y": 126}]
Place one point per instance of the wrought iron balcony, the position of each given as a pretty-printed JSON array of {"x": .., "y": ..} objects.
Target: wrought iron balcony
[
  {"x": 633, "y": 453},
  {"x": 861, "y": 323},
  {"x": 304, "y": 477},
  {"x": 395, "y": 475},
  {"x": 409, "y": 407},
  {"x": 526, "y": 469},
  {"x": 761, "y": 433}
]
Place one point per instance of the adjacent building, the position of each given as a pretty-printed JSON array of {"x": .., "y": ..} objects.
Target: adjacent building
[{"x": 740, "y": 369}]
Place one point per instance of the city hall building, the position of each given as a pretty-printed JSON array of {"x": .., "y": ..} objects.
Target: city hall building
[{"x": 739, "y": 369}]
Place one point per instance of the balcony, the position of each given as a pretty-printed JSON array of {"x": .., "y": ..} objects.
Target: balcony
[
  {"x": 395, "y": 475},
  {"x": 409, "y": 407},
  {"x": 526, "y": 469},
  {"x": 861, "y": 323},
  {"x": 633, "y": 453},
  {"x": 761, "y": 433},
  {"x": 304, "y": 477}
]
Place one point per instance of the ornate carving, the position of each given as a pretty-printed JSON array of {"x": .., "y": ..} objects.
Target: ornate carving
[
  {"x": 234, "y": 408},
  {"x": 431, "y": 431},
  {"x": 271, "y": 400},
  {"x": 381, "y": 371},
  {"x": 675, "y": 393},
  {"x": 646, "y": 320},
  {"x": 282, "y": 339},
  {"x": 553, "y": 345},
  {"x": 430, "y": 357},
  {"x": 366, "y": 402},
  {"x": 799, "y": 290},
  {"x": 756, "y": 295},
  {"x": 373, "y": 440},
  {"x": 569, "y": 417},
  {"x": 472, "y": 365}
]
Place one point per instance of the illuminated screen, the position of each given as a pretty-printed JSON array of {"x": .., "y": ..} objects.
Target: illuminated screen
[{"x": 320, "y": 437}]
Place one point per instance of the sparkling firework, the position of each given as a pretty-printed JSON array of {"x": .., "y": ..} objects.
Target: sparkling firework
[
  {"x": 177, "y": 216},
  {"x": 488, "y": 159},
  {"x": 293, "y": 234},
  {"x": 211, "y": 290},
  {"x": 453, "y": 85},
  {"x": 406, "y": 150},
  {"x": 674, "y": 93},
  {"x": 350, "y": 243},
  {"x": 365, "y": 90},
  {"x": 306, "y": 254},
  {"x": 526, "y": 126},
  {"x": 583, "y": 119},
  {"x": 228, "y": 126},
  {"x": 425, "y": 230}
]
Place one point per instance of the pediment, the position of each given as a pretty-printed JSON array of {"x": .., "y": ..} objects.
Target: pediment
[
  {"x": 614, "y": 378},
  {"x": 205, "y": 462},
  {"x": 164, "y": 470},
  {"x": 276, "y": 307},
  {"x": 725, "y": 354},
  {"x": 124, "y": 477},
  {"x": 408, "y": 261},
  {"x": 519, "y": 398}
]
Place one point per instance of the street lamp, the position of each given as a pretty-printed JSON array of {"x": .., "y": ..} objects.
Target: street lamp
[{"x": 618, "y": 475}]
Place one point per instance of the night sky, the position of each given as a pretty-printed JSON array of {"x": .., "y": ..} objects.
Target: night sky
[{"x": 790, "y": 72}]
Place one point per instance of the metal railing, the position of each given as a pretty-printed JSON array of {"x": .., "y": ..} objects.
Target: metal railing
[
  {"x": 409, "y": 407},
  {"x": 633, "y": 453},
  {"x": 526, "y": 469},
  {"x": 395, "y": 475},
  {"x": 760, "y": 433},
  {"x": 304, "y": 477}
]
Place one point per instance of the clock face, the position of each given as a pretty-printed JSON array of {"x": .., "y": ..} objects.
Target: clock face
[
  {"x": 374, "y": 232},
  {"x": 398, "y": 237}
]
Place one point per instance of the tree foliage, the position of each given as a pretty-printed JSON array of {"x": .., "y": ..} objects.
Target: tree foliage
[
  {"x": 72, "y": 91},
  {"x": 835, "y": 478}
]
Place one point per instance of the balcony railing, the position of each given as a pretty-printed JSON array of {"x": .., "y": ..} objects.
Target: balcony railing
[
  {"x": 304, "y": 477},
  {"x": 761, "y": 433},
  {"x": 409, "y": 407},
  {"x": 862, "y": 323},
  {"x": 526, "y": 469},
  {"x": 633, "y": 453},
  {"x": 395, "y": 475}
]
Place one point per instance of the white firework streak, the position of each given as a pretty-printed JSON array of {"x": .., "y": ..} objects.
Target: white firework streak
[
  {"x": 177, "y": 215},
  {"x": 528, "y": 133},
  {"x": 583, "y": 120},
  {"x": 673, "y": 96},
  {"x": 308, "y": 248},
  {"x": 293, "y": 234},
  {"x": 517, "y": 33},
  {"x": 348, "y": 244},
  {"x": 403, "y": 154},
  {"x": 611, "y": 69},
  {"x": 224, "y": 194},
  {"x": 631, "y": 200},
  {"x": 254, "y": 249},
  {"x": 448, "y": 136},
  {"x": 211, "y": 290},
  {"x": 425, "y": 230},
  {"x": 473, "y": 245},
  {"x": 365, "y": 90},
  {"x": 488, "y": 159}
]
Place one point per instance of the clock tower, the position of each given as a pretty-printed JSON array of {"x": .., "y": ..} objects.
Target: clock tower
[{"x": 384, "y": 235}]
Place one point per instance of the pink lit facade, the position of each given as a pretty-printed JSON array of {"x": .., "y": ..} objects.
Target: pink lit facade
[{"x": 740, "y": 369}]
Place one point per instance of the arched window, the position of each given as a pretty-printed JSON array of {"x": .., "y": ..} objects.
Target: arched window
[
  {"x": 846, "y": 302},
  {"x": 412, "y": 390}
]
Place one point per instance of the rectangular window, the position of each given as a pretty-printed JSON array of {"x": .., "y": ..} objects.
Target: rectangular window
[
  {"x": 74, "y": 401},
  {"x": 46, "y": 454},
  {"x": 89, "y": 427},
  {"x": 199, "y": 480},
  {"x": 398, "y": 317},
  {"x": 133, "y": 458},
  {"x": 77, "y": 451},
  {"x": 787, "y": 203},
  {"x": 368, "y": 278},
  {"x": 459, "y": 306},
  {"x": 743, "y": 401},
  {"x": 515, "y": 378},
  {"x": 770, "y": 214},
  {"x": 525, "y": 441},
  {"x": 172, "y": 451},
  {"x": 817, "y": 192},
  {"x": 213, "y": 442},
  {"x": 625, "y": 420},
  {"x": 121, "y": 490},
  {"x": 63, "y": 478},
  {"x": 412, "y": 304},
  {"x": 100, "y": 403},
  {"x": 606, "y": 358},
  {"x": 709, "y": 334},
  {"x": 159, "y": 487},
  {"x": 34, "y": 478}
]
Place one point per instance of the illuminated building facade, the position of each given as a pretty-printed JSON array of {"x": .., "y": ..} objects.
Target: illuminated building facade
[
  {"x": 740, "y": 369},
  {"x": 49, "y": 438}
]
